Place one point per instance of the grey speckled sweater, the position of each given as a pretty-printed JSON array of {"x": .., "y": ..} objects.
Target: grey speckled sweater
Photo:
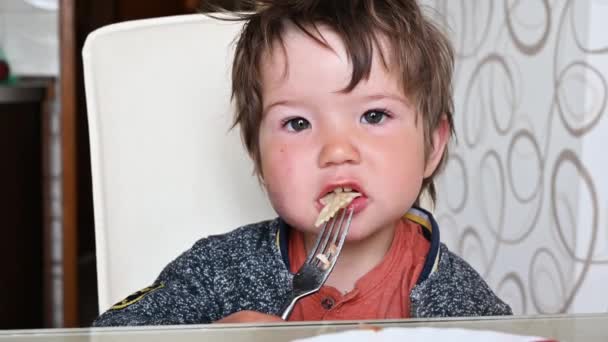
[{"x": 248, "y": 269}]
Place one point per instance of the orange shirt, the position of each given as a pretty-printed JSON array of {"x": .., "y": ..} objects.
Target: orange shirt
[{"x": 381, "y": 293}]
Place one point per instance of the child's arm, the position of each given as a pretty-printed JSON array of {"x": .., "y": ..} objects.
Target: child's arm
[
  {"x": 141, "y": 315},
  {"x": 174, "y": 303},
  {"x": 182, "y": 294},
  {"x": 239, "y": 276},
  {"x": 249, "y": 317},
  {"x": 455, "y": 290}
]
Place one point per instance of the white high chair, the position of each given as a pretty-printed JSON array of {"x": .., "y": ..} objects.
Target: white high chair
[{"x": 166, "y": 168}]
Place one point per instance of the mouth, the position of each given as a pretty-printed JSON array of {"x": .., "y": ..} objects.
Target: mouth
[
  {"x": 331, "y": 189},
  {"x": 335, "y": 196}
]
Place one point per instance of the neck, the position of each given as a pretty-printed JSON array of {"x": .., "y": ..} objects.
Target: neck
[{"x": 357, "y": 257}]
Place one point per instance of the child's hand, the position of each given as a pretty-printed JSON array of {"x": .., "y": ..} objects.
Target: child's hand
[{"x": 249, "y": 317}]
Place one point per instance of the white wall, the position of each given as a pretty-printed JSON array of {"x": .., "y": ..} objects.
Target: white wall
[
  {"x": 29, "y": 36},
  {"x": 524, "y": 197}
]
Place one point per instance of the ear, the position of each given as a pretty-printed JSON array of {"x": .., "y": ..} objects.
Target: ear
[{"x": 440, "y": 137}]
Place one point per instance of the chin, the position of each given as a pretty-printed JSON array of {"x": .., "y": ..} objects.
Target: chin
[
  {"x": 356, "y": 235},
  {"x": 361, "y": 230}
]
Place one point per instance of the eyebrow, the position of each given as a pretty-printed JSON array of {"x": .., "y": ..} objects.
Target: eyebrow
[
  {"x": 375, "y": 97},
  {"x": 279, "y": 103}
]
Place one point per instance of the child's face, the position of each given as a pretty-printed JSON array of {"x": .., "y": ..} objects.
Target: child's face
[{"x": 313, "y": 137}]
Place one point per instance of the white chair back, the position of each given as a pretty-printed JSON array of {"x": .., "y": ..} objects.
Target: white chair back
[{"x": 167, "y": 170}]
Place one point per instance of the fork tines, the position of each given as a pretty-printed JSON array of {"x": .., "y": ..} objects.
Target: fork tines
[{"x": 333, "y": 229}]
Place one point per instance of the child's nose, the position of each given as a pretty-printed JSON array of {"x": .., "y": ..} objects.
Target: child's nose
[{"x": 338, "y": 150}]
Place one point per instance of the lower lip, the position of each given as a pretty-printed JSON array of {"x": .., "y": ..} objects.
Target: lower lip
[{"x": 358, "y": 204}]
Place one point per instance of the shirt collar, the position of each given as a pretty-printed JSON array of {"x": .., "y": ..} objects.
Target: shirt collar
[{"x": 424, "y": 218}]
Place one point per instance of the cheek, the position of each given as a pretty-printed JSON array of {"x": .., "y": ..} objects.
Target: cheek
[
  {"x": 403, "y": 165},
  {"x": 276, "y": 163},
  {"x": 404, "y": 150},
  {"x": 288, "y": 183}
]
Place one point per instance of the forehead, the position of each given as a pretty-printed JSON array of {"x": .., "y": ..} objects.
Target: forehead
[{"x": 299, "y": 58}]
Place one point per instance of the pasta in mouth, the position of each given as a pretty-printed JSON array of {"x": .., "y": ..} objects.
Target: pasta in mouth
[{"x": 334, "y": 201}]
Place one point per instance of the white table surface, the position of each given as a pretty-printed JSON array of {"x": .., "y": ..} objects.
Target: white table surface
[{"x": 587, "y": 327}]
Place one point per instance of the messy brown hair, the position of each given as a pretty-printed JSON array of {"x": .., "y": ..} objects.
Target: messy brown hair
[{"x": 418, "y": 49}]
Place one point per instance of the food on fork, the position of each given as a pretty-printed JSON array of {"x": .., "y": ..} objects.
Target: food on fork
[
  {"x": 324, "y": 259},
  {"x": 332, "y": 250},
  {"x": 334, "y": 201}
]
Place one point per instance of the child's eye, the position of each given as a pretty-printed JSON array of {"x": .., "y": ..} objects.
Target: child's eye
[
  {"x": 374, "y": 116},
  {"x": 296, "y": 124}
]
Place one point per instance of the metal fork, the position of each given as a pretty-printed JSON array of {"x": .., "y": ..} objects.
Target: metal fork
[{"x": 312, "y": 275}]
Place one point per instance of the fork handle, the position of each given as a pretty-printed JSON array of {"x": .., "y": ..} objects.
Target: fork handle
[{"x": 288, "y": 307}]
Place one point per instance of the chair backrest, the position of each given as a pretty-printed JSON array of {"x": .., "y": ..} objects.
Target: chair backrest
[{"x": 167, "y": 170}]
